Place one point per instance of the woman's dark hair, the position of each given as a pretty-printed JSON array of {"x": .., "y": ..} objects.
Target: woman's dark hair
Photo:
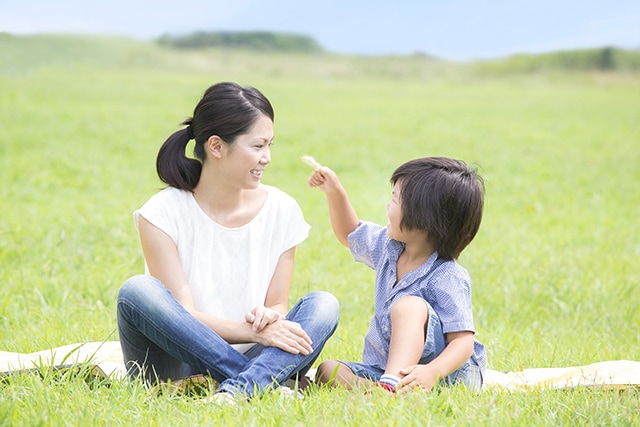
[
  {"x": 444, "y": 198},
  {"x": 226, "y": 110}
]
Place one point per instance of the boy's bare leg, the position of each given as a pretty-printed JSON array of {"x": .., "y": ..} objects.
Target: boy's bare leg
[
  {"x": 334, "y": 374},
  {"x": 409, "y": 317}
]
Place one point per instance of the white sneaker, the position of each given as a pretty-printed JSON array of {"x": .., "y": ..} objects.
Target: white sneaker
[
  {"x": 222, "y": 399},
  {"x": 289, "y": 393}
]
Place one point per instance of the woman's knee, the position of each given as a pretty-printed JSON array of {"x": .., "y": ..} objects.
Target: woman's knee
[
  {"x": 140, "y": 290},
  {"x": 326, "y": 304},
  {"x": 139, "y": 283}
]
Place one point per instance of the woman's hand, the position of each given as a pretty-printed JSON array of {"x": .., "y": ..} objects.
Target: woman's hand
[
  {"x": 285, "y": 335},
  {"x": 262, "y": 316}
]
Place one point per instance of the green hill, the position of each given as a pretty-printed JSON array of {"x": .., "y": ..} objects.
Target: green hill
[
  {"x": 281, "y": 55},
  {"x": 24, "y": 53},
  {"x": 600, "y": 59}
]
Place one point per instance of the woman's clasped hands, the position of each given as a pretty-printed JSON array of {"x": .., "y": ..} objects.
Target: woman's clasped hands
[{"x": 273, "y": 330}]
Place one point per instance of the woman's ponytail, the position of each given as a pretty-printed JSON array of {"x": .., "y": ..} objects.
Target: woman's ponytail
[
  {"x": 174, "y": 167},
  {"x": 227, "y": 110}
]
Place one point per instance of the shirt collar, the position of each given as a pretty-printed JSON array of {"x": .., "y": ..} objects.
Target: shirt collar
[{"x": 395, "y": 248}]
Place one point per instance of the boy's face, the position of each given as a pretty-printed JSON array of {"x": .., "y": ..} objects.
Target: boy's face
[{"x": 394, "y": 213}]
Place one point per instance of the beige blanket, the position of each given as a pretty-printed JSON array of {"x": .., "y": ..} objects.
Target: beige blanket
[{"x": 105, "y": 359}]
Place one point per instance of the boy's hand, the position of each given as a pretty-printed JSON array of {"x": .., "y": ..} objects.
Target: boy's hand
[
  {"x": 325, "y": 179},
  {"x": 417, "y": 376},
  {"x": 343, "y": 217}
]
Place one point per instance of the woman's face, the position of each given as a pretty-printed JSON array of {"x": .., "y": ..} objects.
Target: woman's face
[{"x": 250, "y": 154}]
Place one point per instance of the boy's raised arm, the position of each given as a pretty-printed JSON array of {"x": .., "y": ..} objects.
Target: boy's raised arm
[{"x": 343, "y": 217}]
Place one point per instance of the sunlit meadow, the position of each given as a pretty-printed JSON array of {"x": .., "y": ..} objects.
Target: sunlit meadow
[{"x": 554, "y": 267}]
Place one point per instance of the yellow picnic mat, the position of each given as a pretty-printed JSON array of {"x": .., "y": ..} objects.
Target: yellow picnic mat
[
  {"x": 105, "y": 357},
  {"x": 613, "y": 374},
  {"x": 106, "y": 360}
]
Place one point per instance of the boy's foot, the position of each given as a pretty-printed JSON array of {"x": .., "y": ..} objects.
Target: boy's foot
[
  {"x": 388, "y": 388},
  {"x": 385, "y": 386}
]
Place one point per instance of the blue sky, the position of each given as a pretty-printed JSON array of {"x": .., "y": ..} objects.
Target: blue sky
[{"x": 460, "y": 30}]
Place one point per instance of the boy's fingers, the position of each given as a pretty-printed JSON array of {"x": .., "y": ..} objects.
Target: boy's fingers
[{"x": 407, "y": 370}]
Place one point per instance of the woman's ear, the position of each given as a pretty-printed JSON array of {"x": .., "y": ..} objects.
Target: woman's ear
[{"x": 215, "y": 146}]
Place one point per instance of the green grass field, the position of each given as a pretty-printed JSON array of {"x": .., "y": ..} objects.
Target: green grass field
[{"x": 554, "y": 267}]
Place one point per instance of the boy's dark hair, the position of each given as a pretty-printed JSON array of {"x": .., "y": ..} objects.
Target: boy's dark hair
[
  {"x": 226, "y": 110},
  {"x": 442, "y": 197}
]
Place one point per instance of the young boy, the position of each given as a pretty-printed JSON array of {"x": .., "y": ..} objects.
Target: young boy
[{"x": 422, "y": 328}]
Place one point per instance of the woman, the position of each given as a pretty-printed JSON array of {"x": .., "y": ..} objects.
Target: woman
[{"x": 219, "y": 252}]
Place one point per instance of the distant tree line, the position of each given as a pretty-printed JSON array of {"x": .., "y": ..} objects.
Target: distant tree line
[
  {"x": 596, "y": 59},
  {"x": 255, "y": 40}
]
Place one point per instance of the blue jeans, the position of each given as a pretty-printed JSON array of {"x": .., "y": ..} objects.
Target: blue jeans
[{"x": 161, "y": 340}]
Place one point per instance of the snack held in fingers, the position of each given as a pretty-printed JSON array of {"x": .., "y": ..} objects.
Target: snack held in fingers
[{"x": 311, "y": 161}]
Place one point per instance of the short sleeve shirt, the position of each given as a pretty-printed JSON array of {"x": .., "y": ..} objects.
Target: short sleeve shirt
[
  {"x": 228, "y": 269},
  {"x": 443, "y": 284}
]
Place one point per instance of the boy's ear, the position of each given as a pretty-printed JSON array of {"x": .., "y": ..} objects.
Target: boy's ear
[{"x": 215, "y": 146}]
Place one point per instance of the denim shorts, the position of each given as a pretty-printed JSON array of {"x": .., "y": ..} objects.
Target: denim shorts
[{"x": 469, "y": 373}]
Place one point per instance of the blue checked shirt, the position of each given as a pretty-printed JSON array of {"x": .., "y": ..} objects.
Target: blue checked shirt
[{"x": 445, "y": 285}]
